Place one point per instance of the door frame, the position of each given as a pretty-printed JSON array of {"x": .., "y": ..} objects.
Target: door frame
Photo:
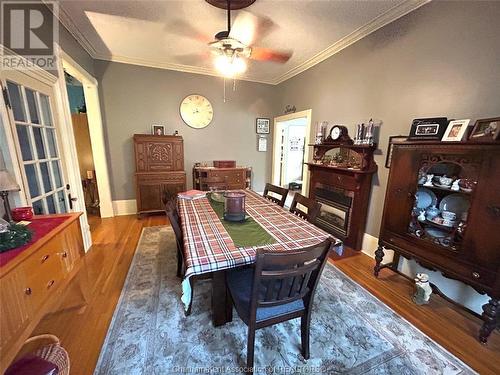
[
  {"x": 277, "y": 128},
  {"x": 96, "y": 129},
  {"x": 67, "y": 141}
]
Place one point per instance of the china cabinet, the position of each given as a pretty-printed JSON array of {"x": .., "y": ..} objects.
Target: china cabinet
[
  {"x": 442, "y": 208},
  {"x": 159, "y": 170}
]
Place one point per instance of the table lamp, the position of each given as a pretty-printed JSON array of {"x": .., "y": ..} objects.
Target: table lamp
[{"x": 7, "y": 184}]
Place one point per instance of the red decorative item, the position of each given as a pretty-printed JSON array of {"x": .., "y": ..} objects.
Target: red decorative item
[
  {"x": 234, "y": 206},
  {"x": 22, "y": 213}
]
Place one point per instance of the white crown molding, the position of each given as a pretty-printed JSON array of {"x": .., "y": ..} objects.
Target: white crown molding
[
  {"x": 389, "y": 16},
  {"x": 172, "y": 66},
  {"x": 68, "y": 23}
]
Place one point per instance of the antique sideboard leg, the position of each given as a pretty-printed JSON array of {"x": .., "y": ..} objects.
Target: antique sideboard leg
[
  {"x": 490, "y": 317},
  {"x": 379, "y": 255}
]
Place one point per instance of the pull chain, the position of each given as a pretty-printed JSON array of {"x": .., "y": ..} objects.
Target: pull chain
[
  {"x": 224, "y": 81},
  {"x": 234, "y": 84}
]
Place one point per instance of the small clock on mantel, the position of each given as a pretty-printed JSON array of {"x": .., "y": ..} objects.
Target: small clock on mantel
[
  {"x": 339, "y": 134},
  {"x": 196, "y": 111}
]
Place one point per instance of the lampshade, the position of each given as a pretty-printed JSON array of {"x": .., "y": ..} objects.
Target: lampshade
[{"x": 7, "y": 182}]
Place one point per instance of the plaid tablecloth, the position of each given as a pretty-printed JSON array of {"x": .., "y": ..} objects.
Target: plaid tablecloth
[{"x": 208, "y": 247}]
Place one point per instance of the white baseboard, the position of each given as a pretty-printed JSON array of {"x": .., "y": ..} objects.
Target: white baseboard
[{"x": 125, "y": 207}]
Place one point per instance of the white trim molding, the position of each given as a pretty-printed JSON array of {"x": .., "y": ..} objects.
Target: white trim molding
[
  {"x": 389, "y": 16},
  {"x": 125, "y": 207}
]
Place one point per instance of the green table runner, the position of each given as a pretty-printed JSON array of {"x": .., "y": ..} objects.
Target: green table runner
[{"x": 248, "y": 233}]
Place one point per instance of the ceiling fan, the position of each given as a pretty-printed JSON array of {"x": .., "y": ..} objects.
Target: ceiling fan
[{"x": 232, "y": 47}]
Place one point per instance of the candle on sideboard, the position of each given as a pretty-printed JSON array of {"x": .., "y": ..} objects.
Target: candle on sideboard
[{"x": 90, "y": 175}]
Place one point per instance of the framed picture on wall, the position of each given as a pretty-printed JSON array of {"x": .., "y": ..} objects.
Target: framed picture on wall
[
  {"x": 392, "y": 139},
  {"x": 486, "y": 130},
  {"x": 261, "y": 143},
  {"x": 157, "y": 129},
  {"x": 262, "y": 125}
]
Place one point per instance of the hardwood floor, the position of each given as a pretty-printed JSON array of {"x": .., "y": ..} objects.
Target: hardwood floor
[{"x": 82, "y": 329}]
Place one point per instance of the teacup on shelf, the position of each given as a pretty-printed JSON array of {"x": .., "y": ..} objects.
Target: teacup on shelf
[
  {"x": 448, "y": 215},
  {"x": 445, "y": 181}
]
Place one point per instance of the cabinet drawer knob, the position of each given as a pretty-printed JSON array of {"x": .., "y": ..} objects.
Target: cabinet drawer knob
[
  {"x": 476, "y": 275},
  {"x": 45, "y": 257},
  {"x": 64, "y": 254},
  {"x": 27, "y": 291},
  {"x": 50, "y": 283}
]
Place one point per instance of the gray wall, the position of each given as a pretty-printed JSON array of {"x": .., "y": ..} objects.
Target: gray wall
[
  {"x": 443, "y": 59},
  {"x": 133, "y": 98}
]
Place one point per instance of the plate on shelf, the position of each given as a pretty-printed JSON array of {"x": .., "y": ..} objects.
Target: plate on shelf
[
  {"x": 425, "y": 198},
  {"x": 442, "y": 186},
  {"x": 435, "y": 232},
  {"x": 456, "y": 203}
]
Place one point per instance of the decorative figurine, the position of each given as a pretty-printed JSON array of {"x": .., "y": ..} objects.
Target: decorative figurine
[
  {"x": 423, "y": 289},
  {"x": 421, "y": 216},
  {"x": 429, "y": 180},
  {"x": 455, "y": 185}
]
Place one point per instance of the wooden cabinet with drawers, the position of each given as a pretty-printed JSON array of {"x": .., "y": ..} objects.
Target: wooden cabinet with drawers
[
  {"x": 205, "y": 178},
  {"x": 32, "y": 282},
  {"x": 159, "y": 161}
]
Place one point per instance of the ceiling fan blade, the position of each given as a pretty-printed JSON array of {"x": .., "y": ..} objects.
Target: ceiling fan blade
[
  {"x": 266, "y": 54},
  {"x": 185, "y": 29},
  {"x": 248, "y": 27}
]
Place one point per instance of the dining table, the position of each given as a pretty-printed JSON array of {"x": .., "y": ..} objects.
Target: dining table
[{"x": 214, "y": 245}]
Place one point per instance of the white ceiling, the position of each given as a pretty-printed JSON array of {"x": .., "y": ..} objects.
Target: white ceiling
[{"x": 147, "y": 32}]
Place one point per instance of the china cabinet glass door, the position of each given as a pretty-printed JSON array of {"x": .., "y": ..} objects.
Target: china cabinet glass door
[{"x": 445, "y": 188}]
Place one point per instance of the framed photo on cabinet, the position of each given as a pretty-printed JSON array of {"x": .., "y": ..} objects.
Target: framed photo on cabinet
[
  {"x": 486, "y": 130},
  {"x": 428, "y": 129},
  {"x": 455, "y": 130},
  {"x": 262, "y": 125}
]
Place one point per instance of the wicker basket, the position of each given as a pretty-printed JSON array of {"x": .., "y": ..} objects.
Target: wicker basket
[{"x": 48, "y": 347}]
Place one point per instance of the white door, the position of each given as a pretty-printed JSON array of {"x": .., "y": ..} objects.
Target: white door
[{"x": 31, "y": 110}]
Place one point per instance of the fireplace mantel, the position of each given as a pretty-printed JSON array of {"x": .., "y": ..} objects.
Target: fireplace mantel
[{"x": 342, "y": 190}]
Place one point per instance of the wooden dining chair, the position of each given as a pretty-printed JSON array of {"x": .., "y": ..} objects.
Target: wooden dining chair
[
  {"x": 175, "y": 222},
  {"x": 280, "y": 287},
  {"x": 313, "y": 207},
  {"x": 277, "y": 190}
]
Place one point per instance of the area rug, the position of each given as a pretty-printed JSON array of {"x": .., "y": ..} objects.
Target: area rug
[{"x": 351, "y": 331}]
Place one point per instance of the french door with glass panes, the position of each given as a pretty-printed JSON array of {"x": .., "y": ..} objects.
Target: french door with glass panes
[{"x": 31, "y": 106}]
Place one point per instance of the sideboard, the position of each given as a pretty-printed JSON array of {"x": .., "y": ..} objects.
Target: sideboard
[
  {"x": 205, "y": 178},
  {"x": 34, "y": 278}
]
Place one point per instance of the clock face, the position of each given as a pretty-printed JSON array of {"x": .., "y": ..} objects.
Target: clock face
[
  {"x": 335, "y": 133},
  {"x": 196, "y": 111}
]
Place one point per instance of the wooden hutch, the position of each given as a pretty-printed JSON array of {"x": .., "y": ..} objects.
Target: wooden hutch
[
  {"x": 341, "y": 182},
  {"x": 159, "y": 165},
  {"x": 466, "y": 248}
]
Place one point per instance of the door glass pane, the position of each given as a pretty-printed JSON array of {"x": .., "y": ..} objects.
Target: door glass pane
[
  {"x": 51, "y": 205},
  {"x": 38, "y": 207},
  {"x": 44, "y": 169},
  {"x": 16, "y": 102},
  {"x": 62, "y": 201},
  {"x": 57, "y": 174},
  {"x": 52, "y": 142},
  {"x": 37, "y": 132},
  {"x": 24, "y": 142},
  {"x": 30, "y": 97},
  {"x": 45, "y": 107},
  {"x": 32, "y": 178}
]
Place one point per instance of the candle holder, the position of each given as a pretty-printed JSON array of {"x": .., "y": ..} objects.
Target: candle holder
[{"x": 234, "y": 206}]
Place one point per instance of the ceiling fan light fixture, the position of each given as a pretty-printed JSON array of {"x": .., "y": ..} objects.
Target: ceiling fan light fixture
[{"x": 230, "y": 66}]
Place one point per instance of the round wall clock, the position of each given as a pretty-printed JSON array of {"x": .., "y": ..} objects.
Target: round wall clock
[{"x": 196, "y": 111}]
